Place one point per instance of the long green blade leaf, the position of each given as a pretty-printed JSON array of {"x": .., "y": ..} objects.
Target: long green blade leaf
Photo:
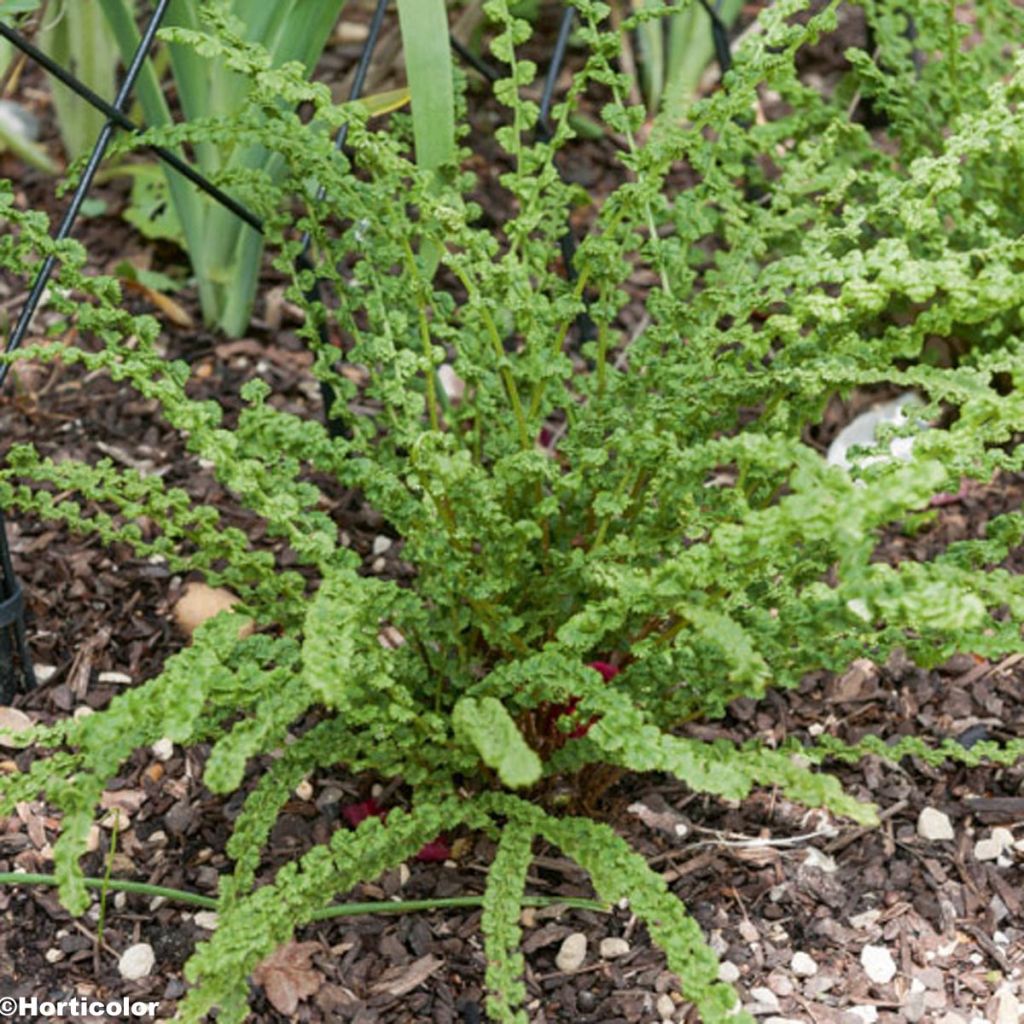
[{"x": 428, "y": 62}]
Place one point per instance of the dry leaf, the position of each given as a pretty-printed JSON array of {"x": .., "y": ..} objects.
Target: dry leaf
[
  {"x": 200, "y": 602},
  {"x": 402, "y": 980},
  {"x": 287, "y": 977},
  {"x": 81, "y": 667},
  {"x": 176, "y": 314},
  {"x": 16, "y": 721}
]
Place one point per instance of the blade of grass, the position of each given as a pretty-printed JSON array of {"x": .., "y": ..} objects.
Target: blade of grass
[
  {"x": 77, "y": 37},
  {"x": 428, "y": 64},
  {"x": 690, "y": 49},
  {"x": 651, "y": 43}
]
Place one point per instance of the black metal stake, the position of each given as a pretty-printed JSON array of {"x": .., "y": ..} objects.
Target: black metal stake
[
  {"x": 303, "y": 260},
  {"x": 585, "y": 328},
  {"x": 12, "y": 605}
]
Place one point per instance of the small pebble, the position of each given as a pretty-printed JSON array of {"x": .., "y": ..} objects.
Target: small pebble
[
  {"x": 1007, "y": 1008},
  {"x": 934, "y": 826},
  {"x": 865, "y": 1014},
  {"x": 82, "y": 711},
  {"x": 665, "y": 1007},
  {"x": 586, "y": 1000},
  {"x": 728, "y": 972},
  {"x": 304, "y": 791},
  {"x": 115, "y": 819},
  {"x": 572, "y": 953},
  {"x": 381, "y": 544},
  {"x": 92, "y": 840},
  {"x": 206, "y": 919},
  {"x": 16, "y": 721},
  {"x": 54, "y": 956},
  {"x": 378, "y": 566},
  {"x": 780, "y": 983},
  {"x": 120, "y": 678},
  {"x": 815, "y": 858},
  {"x": 44, "y": 673},
  {"x": 913, "y": 1008},
  {"x": 865, "y": 920},
  {"x": 136, "y": 961},
  {"x": 878, "y": 964},
  {"x": 803, "y": 965},
  {"x": 996, "y": 844},
  {"x": 163, "y": 749},
  {"x": 767, "y": 1000},
  {"x": 613, "y": 947}
]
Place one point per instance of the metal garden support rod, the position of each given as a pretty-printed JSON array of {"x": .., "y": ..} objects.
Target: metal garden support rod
[
  {"x": 11, "y": 605},
  {"x": 123, "y": 121},
  {"x": 303, "y": 261},
  {"x": 567, "y": 243}
]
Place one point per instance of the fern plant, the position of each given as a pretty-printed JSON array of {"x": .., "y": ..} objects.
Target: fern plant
[{"x": 607, "y": 542}]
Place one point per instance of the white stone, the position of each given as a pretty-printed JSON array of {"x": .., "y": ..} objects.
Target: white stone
[
  {"x": 878, "y": 964},
  {"x": 868, "y": 1014},
  {"x": 728, "y": 972},
  {"x": 136, "y": 961},
  {"x": 54, "y": 956},
  {"x": 15, "y": 722},
  {"x": 665, "y": 1007},
  {"x": 768, "y": 1001},
  {"x": 92, "y": 840},
  {"x": 815, "y": 858},
  {"x": 1004, "y": 837},
  {"x": 987, "y": 849},
  {"x": 862, "y": 432},
  {"x": 163, "y": 749},
  {"x": 44, "y": 673},
  {"x": 803, "y": 965},
  {"x": 304, "y": 791},
  {"x": 120, "y": 678},
  {"x": 572, "y": 953},
  {"x": 933, "y": 825},
  {"x": 865, "y": 920},
  {"x": 381, "y": 544},
  {"x": 1007, "y": 1007},
  {"x": 206, "y": 919},
  {"x": 613, "y": 947}
]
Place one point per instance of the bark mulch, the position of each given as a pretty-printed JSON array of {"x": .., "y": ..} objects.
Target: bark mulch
[{"x": 803, "y": 909}]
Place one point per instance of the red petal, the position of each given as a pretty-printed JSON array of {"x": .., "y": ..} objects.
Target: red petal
[
  {"x": 608, "y": 672},
  {"x": 434, "y": 852},
  {"x": 355, "y": 814}
]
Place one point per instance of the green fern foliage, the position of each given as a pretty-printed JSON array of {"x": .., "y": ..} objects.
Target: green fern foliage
[{"x": 609, "y": 538}]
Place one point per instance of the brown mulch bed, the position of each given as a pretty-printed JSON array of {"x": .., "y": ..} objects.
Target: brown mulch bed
[{"x": 766, "y": 879}]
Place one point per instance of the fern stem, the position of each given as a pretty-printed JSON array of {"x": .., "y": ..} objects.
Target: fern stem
[{"x": 342, "y": 910}]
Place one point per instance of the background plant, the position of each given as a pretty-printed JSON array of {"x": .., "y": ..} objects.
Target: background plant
[
  {"x": 674, "y": 50},
  {"x": 226, "y": 254},
  {"x": 678, "y": 527},
  {"x": 75, "y": 33}
]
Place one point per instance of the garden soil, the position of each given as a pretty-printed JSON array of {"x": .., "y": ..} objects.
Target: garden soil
[{"x": 815, "y": 919}]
